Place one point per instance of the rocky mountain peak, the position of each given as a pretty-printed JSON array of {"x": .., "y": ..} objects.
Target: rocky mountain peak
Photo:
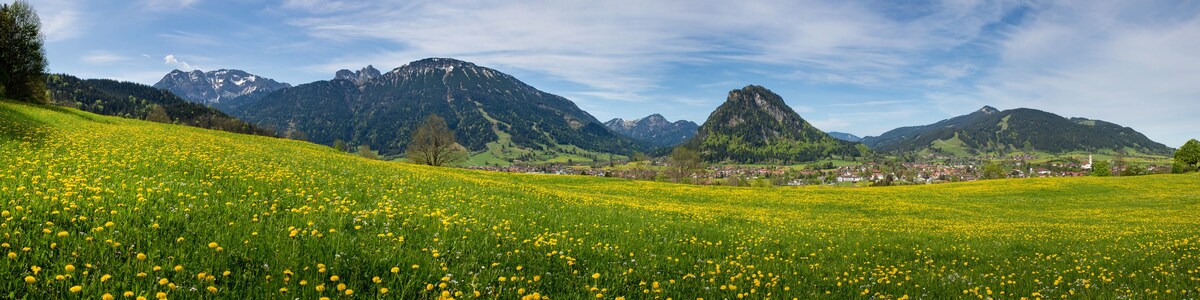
[
  {"x": 214, "y": 86},
  {"x": 359, "y": 77}
]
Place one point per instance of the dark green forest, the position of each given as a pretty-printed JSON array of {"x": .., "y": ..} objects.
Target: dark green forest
[{"x": 139, "y": 101}]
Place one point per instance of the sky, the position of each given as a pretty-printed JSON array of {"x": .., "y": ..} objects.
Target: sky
[{"x": 862, "y": 67}]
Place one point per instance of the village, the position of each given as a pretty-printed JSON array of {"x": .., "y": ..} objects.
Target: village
[{"x": 926, "y": 170}]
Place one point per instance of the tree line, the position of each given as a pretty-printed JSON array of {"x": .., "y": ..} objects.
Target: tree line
[{"x": 22, "y": 57}]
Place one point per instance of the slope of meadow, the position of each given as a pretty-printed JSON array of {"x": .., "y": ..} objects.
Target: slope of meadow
[{"x": 95, "y": 206}]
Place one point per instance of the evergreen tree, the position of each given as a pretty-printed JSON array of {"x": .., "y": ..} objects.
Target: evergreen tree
[{"x": 22, "y": 58}]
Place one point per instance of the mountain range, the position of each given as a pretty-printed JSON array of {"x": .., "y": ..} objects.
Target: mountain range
[
  {"x": 654, "y": 130},
  {"x": 489, "y": 111},
  {"x": 845, "y": 136},
  {"x": 989, "y": 130},
  {"x": 754, "y": 125},
  {"x": 505, "y": 120},
  {"x": 220, "y": 87}
]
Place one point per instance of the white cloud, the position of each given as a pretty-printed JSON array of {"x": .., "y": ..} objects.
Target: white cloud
[{"x": 182, "y": 65}]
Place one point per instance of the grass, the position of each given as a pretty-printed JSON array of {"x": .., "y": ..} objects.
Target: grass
[
  {"x": 96, "y": 205},
  {"x": 955, "y": 146},
  {"x": 503, "y": 152}
]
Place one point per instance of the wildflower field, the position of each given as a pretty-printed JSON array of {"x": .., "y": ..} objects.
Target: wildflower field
[{"x": 95, "y": 207}]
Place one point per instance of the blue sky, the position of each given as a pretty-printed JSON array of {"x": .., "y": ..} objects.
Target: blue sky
[{"x": 862, "y": 67}]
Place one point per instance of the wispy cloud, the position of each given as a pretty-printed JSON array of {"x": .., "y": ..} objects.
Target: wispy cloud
[
  {"x": 102, "y": 57},
  {"x": 61, "y": 19},
  {"x": 607, "y": 46},
  {"x": 1124, "y": 62},
  {"x": 189, "y": 38},
  {"x": 167, "y": 5},
  {"x": 871, "y": 103}
]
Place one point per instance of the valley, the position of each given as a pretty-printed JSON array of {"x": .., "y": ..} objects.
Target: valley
[
  {"x": 113, "y": 206},
  {"x": 753, "y": 150}
]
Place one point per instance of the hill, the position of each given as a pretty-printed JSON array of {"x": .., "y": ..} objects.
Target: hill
[
  {"x": 122, "y": 205},
  {"x": 754, "y": 125},
  {"x": 221, "y": 87},
  {"x": 138, "y": 101},
  {"x": 491, "y": 113},
  {"x": 654, "y": 130},
  {"x": 845, "y": 136},
  {"x": 989, "y": 130}
]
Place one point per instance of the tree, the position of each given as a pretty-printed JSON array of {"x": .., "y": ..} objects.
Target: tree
[
  {"x": 1188, "y": 157},
  {"x": 683, "y": 162},
  {"x": 22, "y": 57},
  {"x": 365, "y": 151},
  {"x": 993, "y": 170},
  {"x": 1101, "y": 168},
  {"x": 158, "y": 114},
  {"x": 340, "y": 145},
  {"x": 433, "y": 144},
  {"x": 1119, "y": 162}
]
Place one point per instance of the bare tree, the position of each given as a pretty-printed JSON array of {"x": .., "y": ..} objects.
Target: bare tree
[
  {"x": 684, "y": 162},
  {"x": 434, "y": 144}
]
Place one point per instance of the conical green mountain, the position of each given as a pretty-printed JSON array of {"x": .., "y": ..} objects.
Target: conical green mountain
[{"x": 754, "y": 125}]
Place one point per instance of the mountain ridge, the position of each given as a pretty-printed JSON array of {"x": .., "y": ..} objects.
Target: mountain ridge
[
  {"x": 485, "y": 108},
  {"x": 989, "y": 129}
]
